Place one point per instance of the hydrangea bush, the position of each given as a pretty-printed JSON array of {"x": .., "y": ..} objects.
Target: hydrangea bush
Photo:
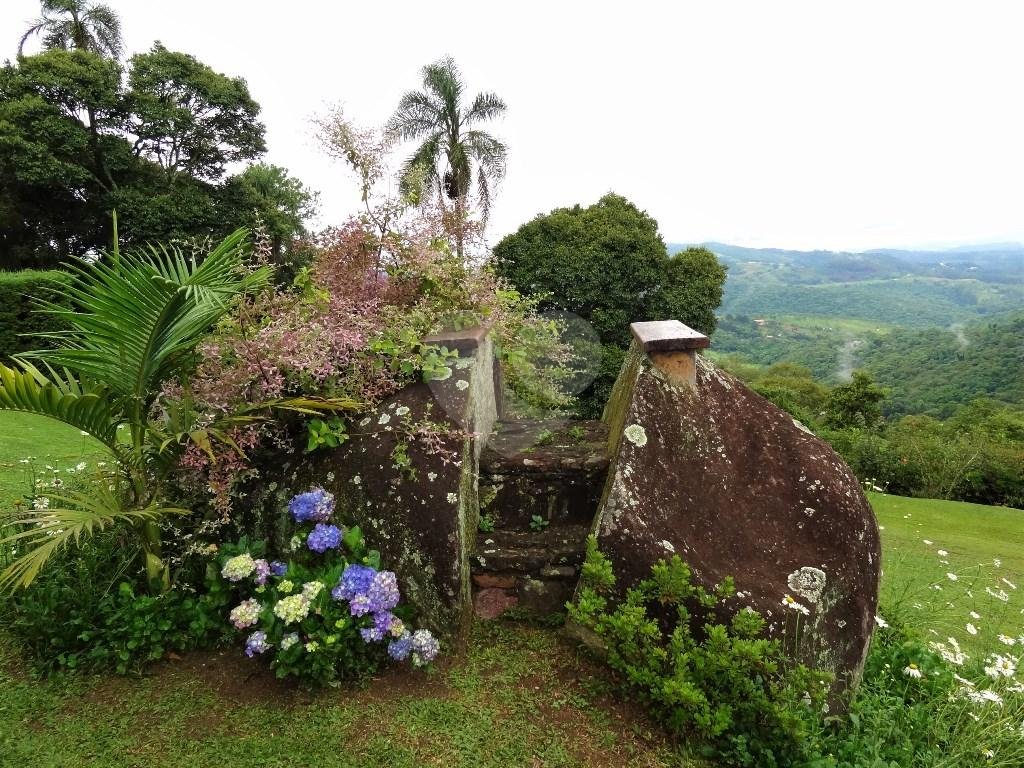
[{"x": 327, "y": 612}]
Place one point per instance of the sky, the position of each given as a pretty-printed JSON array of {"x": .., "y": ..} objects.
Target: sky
[{"x": 786, "y": 124}]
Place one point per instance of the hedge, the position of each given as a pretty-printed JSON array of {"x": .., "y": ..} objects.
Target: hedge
[{"x": 18, "y": 313}]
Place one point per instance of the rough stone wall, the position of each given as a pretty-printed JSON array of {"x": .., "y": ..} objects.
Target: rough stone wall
[
  {"x": 736, "y": 487},
  {"x": 422, "y": 520}
]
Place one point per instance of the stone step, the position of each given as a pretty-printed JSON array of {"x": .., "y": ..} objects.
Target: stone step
[
  {"x": 554, "y": 468},
  {"x": 548, "y": 553}
]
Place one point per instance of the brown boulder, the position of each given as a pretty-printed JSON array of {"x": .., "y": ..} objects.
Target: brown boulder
[{"x": 703, "y": 467}]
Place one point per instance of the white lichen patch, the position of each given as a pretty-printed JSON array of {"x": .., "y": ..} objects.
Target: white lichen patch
[
  {"x": 667, "y": 545},
  {"x": 402, "y": 410},
  {"x": 801, "y": 427},
  {"x": 808, "y": 582},
  {"x": 384, "y": 418},
  {"x": 636, "y": 434},
  {"x": 431, "y": 476},
  {"x": 462, "y": 384},
  {"x": 452, "y": 498}
]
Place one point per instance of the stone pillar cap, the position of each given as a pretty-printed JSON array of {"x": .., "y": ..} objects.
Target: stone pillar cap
[
  {"x": 465, "y": 340},
  {"x": 667, "y": 336}
]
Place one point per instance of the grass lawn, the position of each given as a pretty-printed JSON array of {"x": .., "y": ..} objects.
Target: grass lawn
[
  {"x": 518, "y": 697},
  {"x": 43, "y": 442},
  {"x": 916, "y": 582}
]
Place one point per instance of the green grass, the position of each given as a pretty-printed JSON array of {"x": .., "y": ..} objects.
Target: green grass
[
  {"x": 42, "y": 442},
  {"x": 975, "y": 538},
  {"x": 517, "y": 697}
]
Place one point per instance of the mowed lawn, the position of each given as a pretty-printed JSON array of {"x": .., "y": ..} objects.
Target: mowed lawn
[{"x": 29, "y": 443}]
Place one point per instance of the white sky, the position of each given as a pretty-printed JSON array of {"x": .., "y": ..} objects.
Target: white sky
[{"x": 788, "y": 124}]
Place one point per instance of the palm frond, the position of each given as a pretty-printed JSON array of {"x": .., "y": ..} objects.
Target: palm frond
[
  {"x": 417, "y": 114},
  {"x": 59, "y": 397},
  {"x": 444, "y": 79},
  {"x": 486, "y": 106},
  {"x": 70, "y": 518},
  {"x": 138, "y": 319}
]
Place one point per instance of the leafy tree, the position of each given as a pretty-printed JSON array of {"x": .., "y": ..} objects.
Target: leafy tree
[
  {"x": 451, "y": 146},
  {"x": 856, "y": 404},
  {"x": 266, "y": 196},
  {"x": 78, "y": 24},
  {"x": 692, "y": 290},
  {"x": 188, "y": 118},
  {"x": 608, "y": 264}
]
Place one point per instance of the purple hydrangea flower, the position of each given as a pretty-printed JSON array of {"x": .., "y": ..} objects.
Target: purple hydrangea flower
[
  {"x": 257, "y": 643},
  {"x": 382, "y": 623},
  {"x": 424, "y": 647},
  {"x": 261, "y": 571},
  {"x": 278, "y": 568},
  {"x": 383, "y": 592},
  {"x": 400, "y": 649},
  {"x": 359, "y": 605},
  {"x": 324, "y": 537},
  {"x": 314, "y": 506},
  {"x": 355, "y": 580}
]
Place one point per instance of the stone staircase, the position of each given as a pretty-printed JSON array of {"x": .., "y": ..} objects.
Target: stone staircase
[{"x": 539, "y": 487}]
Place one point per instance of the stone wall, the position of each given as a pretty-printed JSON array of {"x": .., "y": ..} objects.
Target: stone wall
[{"x": 703, "y": 467}]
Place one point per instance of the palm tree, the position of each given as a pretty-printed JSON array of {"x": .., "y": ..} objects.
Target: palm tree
[
  {"x": 77, "y": 24},
  {"x": 451, "y": 145},
  {"x": 138, "y": 319}
]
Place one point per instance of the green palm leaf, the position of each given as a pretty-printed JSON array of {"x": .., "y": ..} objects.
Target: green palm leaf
[
  {"x": 140, "y": 317},
  {"x": 59, "y": 397},
  {"x": 76, "y": 515}
]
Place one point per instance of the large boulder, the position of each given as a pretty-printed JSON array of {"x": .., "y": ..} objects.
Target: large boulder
[{"x": 703, "y": 467}]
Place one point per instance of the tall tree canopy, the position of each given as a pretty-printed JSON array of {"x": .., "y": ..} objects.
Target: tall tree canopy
[
  {"x": 79, "y": 24},
  {"x": 453, "y": 153},
  {"x": 188, "y": 118},
  {"x": 78, "y": 139}
]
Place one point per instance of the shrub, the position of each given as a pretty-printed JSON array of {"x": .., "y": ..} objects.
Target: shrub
[
  {"x": 89, "y": 610},
  {"x": 19, "y": 292},
  {"x": 722, "y": 685},
  {"x": 325, "y": 613}
]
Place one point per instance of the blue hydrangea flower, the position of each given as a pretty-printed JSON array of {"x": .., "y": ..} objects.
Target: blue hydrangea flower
[
  {"x": 260, "y": 571},
  {"x": 400, "y": 649},
  {"x": 315, "y": 506},
  {"x": 278, "y": 568},
  {"x": 359, "y": 605},
  {"x": 324, "y": 537},
  {"x": 257, "y": 643},
  {"x": 383, "y": 592},
  {"x": 424, "y": 647},
  {"x": 355, "y": 580}
]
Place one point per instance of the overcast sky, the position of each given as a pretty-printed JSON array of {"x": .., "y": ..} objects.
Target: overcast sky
[{"x": 789, "y": 124}]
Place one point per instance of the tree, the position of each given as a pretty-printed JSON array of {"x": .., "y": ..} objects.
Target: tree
[
  {"x": 450, "y": 146},
  {"x": 188, "y": 118},
  {"x": 608, "y": 264},
  {"x": 856, "y": 404},
  {"x": 265, "y": 196},
  {"x": 692, "y": 289},
  {"x": 78, "y": 24},
  {"x": 55, "y": 172}
]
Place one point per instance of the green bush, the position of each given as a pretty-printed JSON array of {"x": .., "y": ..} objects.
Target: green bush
[
  {"x": 723, "y": 686},
  {"x": 18, "y": 315},
  {"x": 90, "y": 610}
]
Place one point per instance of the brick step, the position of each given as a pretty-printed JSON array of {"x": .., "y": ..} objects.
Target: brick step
[{"x": 554, "y": 468}]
